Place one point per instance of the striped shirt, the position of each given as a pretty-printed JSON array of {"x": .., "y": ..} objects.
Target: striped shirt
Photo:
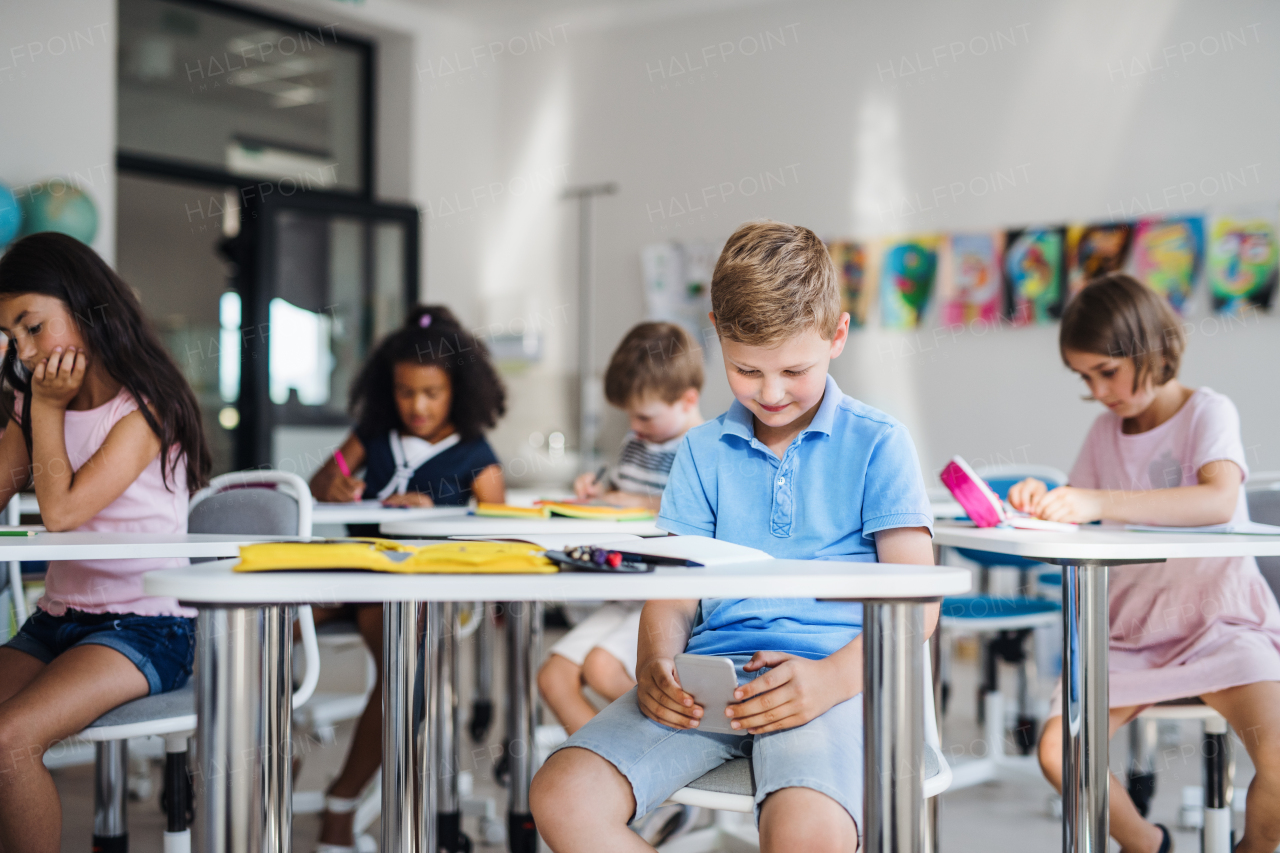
[{"x": 642, "y": 466}]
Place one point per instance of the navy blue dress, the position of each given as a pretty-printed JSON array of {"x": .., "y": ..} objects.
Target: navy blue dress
[{"x": 446, "y": 478}]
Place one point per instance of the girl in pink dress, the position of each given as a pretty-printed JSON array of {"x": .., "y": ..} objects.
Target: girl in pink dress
[
  {"x": 107, "y": 430},
  {"x": 1169, "y": 455}
]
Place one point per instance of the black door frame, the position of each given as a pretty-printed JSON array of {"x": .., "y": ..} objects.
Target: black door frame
[{"x": 255, "y": 251}]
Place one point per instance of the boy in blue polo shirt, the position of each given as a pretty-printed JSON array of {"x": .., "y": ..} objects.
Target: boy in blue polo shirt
[{"x": 796, "y": 469}]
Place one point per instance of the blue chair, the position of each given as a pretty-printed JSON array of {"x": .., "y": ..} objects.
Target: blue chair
[{"x": 1004, "y": 624}]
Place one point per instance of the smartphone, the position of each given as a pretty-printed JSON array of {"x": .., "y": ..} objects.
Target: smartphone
[{"x": 711, "y": 680}]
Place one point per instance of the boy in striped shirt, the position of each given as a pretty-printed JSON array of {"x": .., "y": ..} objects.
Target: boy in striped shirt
[{"x": 655, "y": 376}]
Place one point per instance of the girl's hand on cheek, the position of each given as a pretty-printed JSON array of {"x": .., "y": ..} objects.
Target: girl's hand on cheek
[
  {"x": 409, "y": 499},
  {"x": 1070, "y": 504},
  {"x": 58, "y": 379}
]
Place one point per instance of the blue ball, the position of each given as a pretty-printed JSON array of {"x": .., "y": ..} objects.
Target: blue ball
[{"x": 10, "y": 216}]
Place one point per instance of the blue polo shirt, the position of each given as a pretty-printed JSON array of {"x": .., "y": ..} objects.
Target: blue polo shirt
[{"x": 853, "y": 471}]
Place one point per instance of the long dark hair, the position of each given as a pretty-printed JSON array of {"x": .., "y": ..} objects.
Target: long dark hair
[
  {"x": 431, "y": 335},
  {"x": 118, "y": 338}
]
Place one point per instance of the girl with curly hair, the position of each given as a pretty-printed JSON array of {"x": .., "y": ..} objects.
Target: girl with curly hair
[{"x": 421, "y": 402}]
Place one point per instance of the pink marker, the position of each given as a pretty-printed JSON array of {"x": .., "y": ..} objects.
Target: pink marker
[{"x": 342, "y": 463}]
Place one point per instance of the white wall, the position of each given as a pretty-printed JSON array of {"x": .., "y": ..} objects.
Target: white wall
[
  {"x": 1086, "y": 106},
  {"x": 57, "y": 100}
]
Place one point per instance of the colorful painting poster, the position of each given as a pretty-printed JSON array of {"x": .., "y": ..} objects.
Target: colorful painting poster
[
  {"x": 969, "y": 278},
  {"x": 850, "y": 259},
  {"x": 1242, "y": 261},
  {"x": 906, "y": 274},
  {"x": 1035, "y": 273},
  {"x": 1095, "y": 250},
  {"x": 1167, "y": 255}
]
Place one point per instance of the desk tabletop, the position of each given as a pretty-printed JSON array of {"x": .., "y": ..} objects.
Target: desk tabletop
[
  {"x": 216, "y": 583},
  {"x": 76, "y": 545},
  {"x": 479, "y": 525},
  {"x": 1102, "y": 543},
  {"x": 373, "y": 512}
]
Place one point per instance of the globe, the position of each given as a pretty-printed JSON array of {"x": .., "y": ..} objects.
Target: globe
[
  {"x": 56, "y": 205},
  {"x": 10, "y": 216}
]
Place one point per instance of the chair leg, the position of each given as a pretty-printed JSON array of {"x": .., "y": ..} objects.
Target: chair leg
[
  {"x": 1142, "y": 772},
  {"x": 110, "y": 790},
  {"x": 177, "y": 799},
  {"x": 1219, "y": 769}
]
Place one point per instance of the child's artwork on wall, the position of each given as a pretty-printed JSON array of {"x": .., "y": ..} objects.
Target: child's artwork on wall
[
  {"x": 907, "y": 271},
  {"x": 1096, "y": 250},
  {"x": 1242, "y": 261},
  {"x": 1035, "y": 274},
  {"x": 850, "y": 259},
  {"x": 1167, "y": 255},
  {"x": 970, "y": 279},
  {"x": 677, "y": 284}
]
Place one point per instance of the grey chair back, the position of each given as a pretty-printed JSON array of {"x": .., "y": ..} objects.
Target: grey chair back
[
  {"x": 247, "y": 511},
  {"x": 1264, "y": 508}
]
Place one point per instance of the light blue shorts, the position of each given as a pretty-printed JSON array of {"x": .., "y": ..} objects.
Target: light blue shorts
[{"x": 824, "y": 754}]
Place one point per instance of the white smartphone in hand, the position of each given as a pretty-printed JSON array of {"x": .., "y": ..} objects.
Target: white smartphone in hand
[{"x": 711, "y": 680}]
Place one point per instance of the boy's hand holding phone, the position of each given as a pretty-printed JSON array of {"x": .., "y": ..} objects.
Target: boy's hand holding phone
[
  {"x": 661, "y": 698},
  {"x": 793, "y": 692}
]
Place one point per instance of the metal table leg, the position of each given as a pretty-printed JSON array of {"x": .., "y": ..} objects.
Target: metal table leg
[
  {"x": 522, "y": 836},
  {"x": 1085, "y": 711},
  {"x": 482, "y": 703},
  {"x": 404, "y": 822},
  {"x": 893, "y": 726},
  {"x": 110, "y": 796},
  {"x": 243, "y": 702},
  {"x": 447, "y": 730}
]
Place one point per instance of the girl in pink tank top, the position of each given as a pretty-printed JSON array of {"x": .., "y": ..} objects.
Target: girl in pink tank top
[
  {"x": 107, "y": 431},
  {"x": 1165, "y": 454}
]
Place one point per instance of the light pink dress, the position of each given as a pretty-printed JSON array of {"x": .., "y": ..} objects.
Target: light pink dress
[
  {"x": 146, "y": 506},
  {"x": 1185, "y": 627}
]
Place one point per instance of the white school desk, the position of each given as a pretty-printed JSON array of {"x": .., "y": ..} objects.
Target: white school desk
[
  {"x": 1085, "y": 556},
  {"x": 123, "y": 546},
  {"x": 370, "y": 512},
  {"x": 242, "y": 692},
  {"x": 480, "y": 525}
]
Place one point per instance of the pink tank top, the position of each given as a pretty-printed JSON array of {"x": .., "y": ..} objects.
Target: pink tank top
[{"x": 146, "y": 506}]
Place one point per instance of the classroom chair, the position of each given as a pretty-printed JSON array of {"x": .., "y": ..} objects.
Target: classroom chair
[
  {"x": 730, "y": 789},
  {"x": 1213, "y": 815},
  {"x": 266, "y": 503},
  {"x": 1003, "y": 633}
]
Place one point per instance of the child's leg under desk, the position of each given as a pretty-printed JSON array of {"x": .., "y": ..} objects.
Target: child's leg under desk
[
  {"x": 80, "y": 685},
  {"x": 1253, "y": 711}
]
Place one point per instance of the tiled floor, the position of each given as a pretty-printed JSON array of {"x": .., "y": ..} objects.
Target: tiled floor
[{"x": 1009, "y": 815}]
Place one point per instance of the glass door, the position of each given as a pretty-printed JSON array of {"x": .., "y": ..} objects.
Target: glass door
[{"x": 321, "y": 279}]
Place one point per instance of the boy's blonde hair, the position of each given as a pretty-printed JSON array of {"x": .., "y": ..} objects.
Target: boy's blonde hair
[
  {"x": 654, "y": 358},
  {"x": 774, "y": 281}
]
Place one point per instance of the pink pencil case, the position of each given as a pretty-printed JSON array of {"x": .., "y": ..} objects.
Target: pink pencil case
[{"x": 972, "y": 493}]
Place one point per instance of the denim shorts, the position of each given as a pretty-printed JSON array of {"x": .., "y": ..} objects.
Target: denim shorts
[
  {"x": 824, "y": 754},
  {"x": 161, "y": 647}
]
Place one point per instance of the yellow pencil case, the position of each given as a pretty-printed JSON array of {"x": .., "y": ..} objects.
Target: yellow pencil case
[{"x": 384, "y": 555}]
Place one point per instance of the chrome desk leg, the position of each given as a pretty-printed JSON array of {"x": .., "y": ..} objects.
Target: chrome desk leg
[
  {"x": 447, "y": 730},
  {"x": 1085, "y": 714},
  {"x": 482, "y": 703},
  {"x": 110, "y": 784},
  {"x": 893, "y": 726},
  {"x": 402, "y": 814},
  {"x": 522, "y": 835},
  {"x": 243, "y": 698}
]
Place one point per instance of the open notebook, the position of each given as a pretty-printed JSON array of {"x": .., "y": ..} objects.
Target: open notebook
[
  {"x": 984, "y": 506},
  {"x": 551, "y": 509},
  {"x": 1253, "y": 528}
]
